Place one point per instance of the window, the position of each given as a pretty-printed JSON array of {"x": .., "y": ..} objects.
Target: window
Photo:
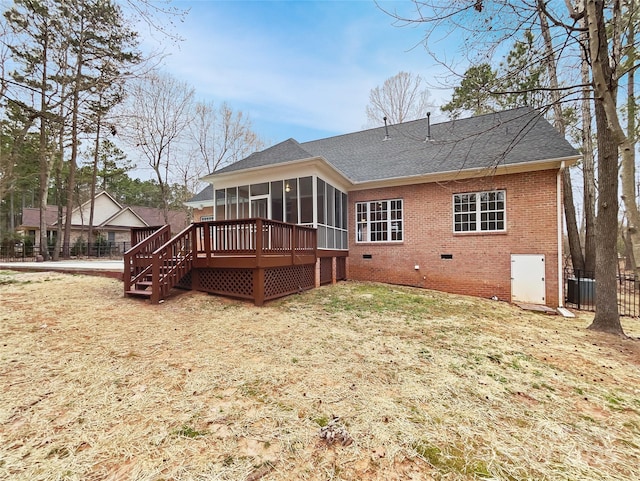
[
  {"x": 379, "y": 221},
  {"x": 277, "y": 200},
  {"x": 306, "y": 200},
  {"x": 479, "y": 212}
]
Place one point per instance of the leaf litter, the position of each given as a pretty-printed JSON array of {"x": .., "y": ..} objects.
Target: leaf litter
[{"x": 352, "y": 381}]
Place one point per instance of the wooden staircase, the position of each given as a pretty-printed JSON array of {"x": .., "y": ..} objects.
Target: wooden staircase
[
  {"x": 255, "y": 259},
  {"x": 157, "y": 262}
]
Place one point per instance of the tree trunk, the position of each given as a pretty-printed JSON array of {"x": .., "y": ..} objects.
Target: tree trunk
[
  {"x": 588, "y": 167},
  {"x": 575, "y": 249},
  {"x": 628, "y": 164},
  {"x": 629, "y": 258},
  {"x": 58, "y": 194},
  {"x": 94, "y": 178},
  {"x": 607, "y": 318},
  {"x": 71, "y": 183}
]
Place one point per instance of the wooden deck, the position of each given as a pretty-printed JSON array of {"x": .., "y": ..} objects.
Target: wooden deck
[{"x": 255, "y": 259}]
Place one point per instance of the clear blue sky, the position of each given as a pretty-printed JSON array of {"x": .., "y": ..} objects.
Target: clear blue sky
[{"x": 300, "y": 69}]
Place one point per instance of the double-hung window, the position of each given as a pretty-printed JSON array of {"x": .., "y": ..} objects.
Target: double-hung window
[
  {"x": 379, "y": 221},
  {"x": 479, "y": 211}
]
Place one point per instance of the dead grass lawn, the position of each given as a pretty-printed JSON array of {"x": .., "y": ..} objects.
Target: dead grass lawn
[{"x": 424, "y": 385}]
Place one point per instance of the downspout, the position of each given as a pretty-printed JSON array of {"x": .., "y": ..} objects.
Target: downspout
[{"x": 560, "y": 230}]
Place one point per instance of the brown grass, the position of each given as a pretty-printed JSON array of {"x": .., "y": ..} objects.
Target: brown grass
[{"x": 353, "y": 381}]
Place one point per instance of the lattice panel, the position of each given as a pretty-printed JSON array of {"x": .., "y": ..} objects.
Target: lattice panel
[
  {"x": 185, "y": 282},
  {"x": 238, "y": 282},
  {"x": 286, "y": 280},
  {"x": 325, "y": 270},
  {"x": 341, "y": 268}
]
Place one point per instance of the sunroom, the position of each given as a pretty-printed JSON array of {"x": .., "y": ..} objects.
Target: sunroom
[{"x": 305, "y": 193}]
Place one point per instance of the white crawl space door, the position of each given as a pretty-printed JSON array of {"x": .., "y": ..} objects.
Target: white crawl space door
[{"x": 527, "y": 278}]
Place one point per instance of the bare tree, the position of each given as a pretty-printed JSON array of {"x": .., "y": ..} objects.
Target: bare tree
[
  {"x": 486, "y": 25},
  {"x": 402, "y": 97},
  {"x": 628, "y": 167},
  {"x": 575, "y": 250},
  {"x": 160, "y": 111},
  {"x": 222, "y": 136},
  {"x": 611, "y": 141},
  {"x": 588, "y": 161}
]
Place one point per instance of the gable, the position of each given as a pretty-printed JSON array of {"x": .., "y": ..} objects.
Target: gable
[
  {"x": 287, "y": 151},
  {"x": 125, "y": 218},
  {"x": 105, "y": 207}
]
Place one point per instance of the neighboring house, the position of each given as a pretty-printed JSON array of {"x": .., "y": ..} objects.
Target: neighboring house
[
  {"x": 472, "y": 206},
  {"x": 111, "y": 220}
]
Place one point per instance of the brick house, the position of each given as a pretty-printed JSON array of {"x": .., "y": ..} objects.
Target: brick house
[{"x": 471, "y": 206}]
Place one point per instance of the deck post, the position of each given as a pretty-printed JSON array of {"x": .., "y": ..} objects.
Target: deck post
[
  {"x": 334, "y": 269},
  {"x": 155, "y": 279},
  {"x": 317, "y": 269},
  {"x": 259, "y": 239},
  {"x": 127, "y": 272},
  {"x": 206, "y": 235},
  {"x": 292, "y": 243},
  {"x": 258, "y": 286}
]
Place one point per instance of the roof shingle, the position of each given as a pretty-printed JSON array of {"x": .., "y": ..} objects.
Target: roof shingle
[{"x": 486, "y": 141}]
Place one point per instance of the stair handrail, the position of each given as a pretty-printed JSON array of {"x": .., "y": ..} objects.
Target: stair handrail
[
  {"x": 162, "y": 282},
  {"x": 135, "y": 252}
]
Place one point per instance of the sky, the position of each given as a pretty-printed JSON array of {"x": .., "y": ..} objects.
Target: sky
[{"x": 299, "y": 69}]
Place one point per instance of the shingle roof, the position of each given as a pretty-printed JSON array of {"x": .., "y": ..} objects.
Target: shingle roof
[
  {"x": 178, "y": 219},
  {"x": 286, "y": 151},
  {"x": 152, "y": 216},
  {"x": 205, "y": 195},
  {"x": 486, "y": 141},
  {"x": 31, "y": 216}
]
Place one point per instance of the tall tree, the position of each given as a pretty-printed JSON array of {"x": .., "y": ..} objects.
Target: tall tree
[
  {"x": 490, "y": 24},
  {"x": 629, "y": 64},
  {"x": 160, "y": 112},
  {"x": 100, "y": 49},
  {"x": 611, "y": 140},
  {"x": 475, "y": 94},
  {"x": 550, "y": 63},
  {"x": 402, "y": 97},
  {"x": 37, "y": 35},
  {"x": 588, "y": 160},
  {"x": 221, "y": 136}
]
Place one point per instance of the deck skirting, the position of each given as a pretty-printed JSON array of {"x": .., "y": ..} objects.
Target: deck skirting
[{"x": 258, "y": 284}]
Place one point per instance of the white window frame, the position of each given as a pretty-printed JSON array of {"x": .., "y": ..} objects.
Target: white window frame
[
  {"x": 365, "y": 221},
  {"x": 486, "y": 208}
]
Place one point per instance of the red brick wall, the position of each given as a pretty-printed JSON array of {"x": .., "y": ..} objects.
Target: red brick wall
[
  {"x": 198, "y": 213},
  {"x": 481, "y": 263}
]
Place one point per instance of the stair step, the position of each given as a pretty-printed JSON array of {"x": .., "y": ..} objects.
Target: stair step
[
  {"x": 139, "y": 292},
  {"x": 144, "y": 283}
]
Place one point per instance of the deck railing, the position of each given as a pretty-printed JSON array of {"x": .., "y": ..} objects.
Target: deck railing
[
  {"x": 171, "y": 262},
  {"x": 137, "y": 260},
  {"x": 256, "y": 246},
  {"x": 253, "y": 237},
  {"x": 138, "y": 234}
]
